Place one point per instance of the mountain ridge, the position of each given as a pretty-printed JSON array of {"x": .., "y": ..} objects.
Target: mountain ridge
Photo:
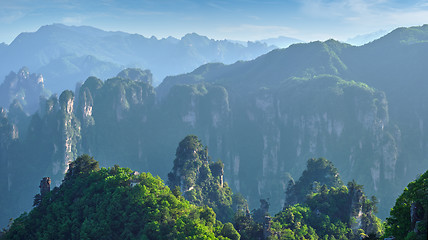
[{"x": 53, "y": 42}]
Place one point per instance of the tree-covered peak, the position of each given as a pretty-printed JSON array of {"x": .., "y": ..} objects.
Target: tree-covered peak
[
  {"x": 190, "y": 154},
  {"x": 201, "y": 180},
  {"x": 405, "y": 36},
  {"x": 92, "y": 83},
  {"x": 136, "y": 74},
  {"x": 321, "y": 170},
  {"x": 83, "y": 165},
  {"x": 320, "y": 206},
  {"x": 318, "y": 172}
]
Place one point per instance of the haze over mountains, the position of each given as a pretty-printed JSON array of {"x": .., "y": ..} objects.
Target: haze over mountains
[
  {"x": 363, "y": 108},
  {"x": 360, "y": 40},
  {"x": 68, "y": 54}
]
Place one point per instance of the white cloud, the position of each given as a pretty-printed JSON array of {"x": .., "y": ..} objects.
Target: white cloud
[{"x": 352, "y": 17}]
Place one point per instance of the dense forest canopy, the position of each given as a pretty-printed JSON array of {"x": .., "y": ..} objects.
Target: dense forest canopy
[{"x": 116, "y": 203}]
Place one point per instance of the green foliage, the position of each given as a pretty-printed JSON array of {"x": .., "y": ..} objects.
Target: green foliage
[
  {"x": 318, "y": 172},
  {"x": 335, "y": 212},
  {"x": 83, "y": 165},
  {"x": 400, "y": 224},
  {"x": 116, "y": 203},
  {"x": 247, "y": 227},
  {"x": 292, "y": 223},
  {"x": 230, "y": 232},
  {"x": 259, "y": 214},
  {"x": 334, "y": 202},
  {"x": 136, "y": 74},
  {"x": 344, "y": 206},
  {"x": 202, "y": 180}
]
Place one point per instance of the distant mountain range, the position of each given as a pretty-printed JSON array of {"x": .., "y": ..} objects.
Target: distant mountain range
[
  {"x": 67, "y": 54},
  {"x": 364, "y": 108}
]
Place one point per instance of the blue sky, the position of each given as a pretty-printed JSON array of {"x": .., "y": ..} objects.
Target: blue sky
[{"x": 307, "y": 20}]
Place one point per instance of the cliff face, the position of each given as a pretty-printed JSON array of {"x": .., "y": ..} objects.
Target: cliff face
[
  {"x": 8, "y": 135},
  {"x": 9, "y": 165},
  {"x": 117, "y": 107},
  {"x": 279, "y": 129},
  {"x": 69, "y": 133}
]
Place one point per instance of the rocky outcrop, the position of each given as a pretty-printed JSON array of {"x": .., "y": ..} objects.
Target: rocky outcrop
[
  {"x": 69, "y": 130},
  {"x": 45, "y": 186},
  {"x": 200, "y": 179},
  {"x": 25, "y": 87}
]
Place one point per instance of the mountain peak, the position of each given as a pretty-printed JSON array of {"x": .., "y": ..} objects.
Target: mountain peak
[
  {"x": 406, "y": 35},
  {"x": 193, "y": 37},
  {"x": 55, "y": 27}
]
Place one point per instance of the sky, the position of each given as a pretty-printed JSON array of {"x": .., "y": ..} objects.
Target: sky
[{"x": 245, "y": 20}]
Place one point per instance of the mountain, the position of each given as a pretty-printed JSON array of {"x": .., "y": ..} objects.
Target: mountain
[
  {"x": 24, "y": 87},
  {"x": 363, "y": 108},
  {"x": 326, "y": 208},
  {"x": 68, "y": 54},
  {"x": 201, "y": 180}
]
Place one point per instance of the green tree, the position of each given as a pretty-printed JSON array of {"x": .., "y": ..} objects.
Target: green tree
[
  {"x": 83, "y": 165},
  {"x": 230, "y": 232},
  {"x": 318, "y": 172},
  {"x": 400, "y": 224},
  {"x": 201, "y": 180}
]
